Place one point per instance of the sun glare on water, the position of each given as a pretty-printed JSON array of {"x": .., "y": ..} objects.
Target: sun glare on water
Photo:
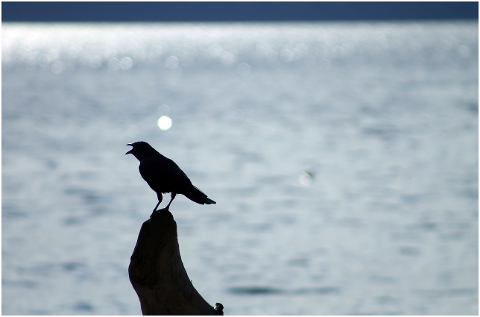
[{"x": 164, "y": 123}]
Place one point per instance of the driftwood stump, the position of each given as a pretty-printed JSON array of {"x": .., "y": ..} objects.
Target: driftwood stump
[{"x": 157, "y": 273}]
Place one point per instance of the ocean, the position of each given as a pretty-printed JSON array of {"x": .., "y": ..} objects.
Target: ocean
[{"x": 343, "y": 158}]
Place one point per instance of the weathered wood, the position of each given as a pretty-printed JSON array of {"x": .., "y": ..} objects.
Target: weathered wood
[{"x": 157, "y": 273}]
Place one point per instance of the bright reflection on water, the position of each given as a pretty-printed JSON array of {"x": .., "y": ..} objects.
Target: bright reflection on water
[
  {"x": 306, "y": 178},
  {"x": 164, "y": 123},
  {"x": 120, "y": 48}
]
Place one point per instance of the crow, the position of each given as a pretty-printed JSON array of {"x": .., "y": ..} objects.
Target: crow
[{"x": 164, "y": 176}]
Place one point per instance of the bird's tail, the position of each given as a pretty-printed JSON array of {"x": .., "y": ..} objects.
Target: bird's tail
[{"x": 198, "y": 196}]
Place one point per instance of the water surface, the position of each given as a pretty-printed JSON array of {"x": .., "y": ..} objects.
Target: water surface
[{"x": 343, "y": 158}]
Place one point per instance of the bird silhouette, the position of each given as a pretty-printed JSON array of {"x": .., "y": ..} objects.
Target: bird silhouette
[{"x": 164, "y": 176}]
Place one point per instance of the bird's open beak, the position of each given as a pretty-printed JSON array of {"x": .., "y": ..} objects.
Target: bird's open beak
[{"x": 129, "y": 152}]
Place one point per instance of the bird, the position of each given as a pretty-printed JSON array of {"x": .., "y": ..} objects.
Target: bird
[{"x": 164, "y": 176}]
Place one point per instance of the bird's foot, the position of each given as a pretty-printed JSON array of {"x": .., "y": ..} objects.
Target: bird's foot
[
  {"x": 160, "y": 210},
  {"x": 157, "y": 212}
]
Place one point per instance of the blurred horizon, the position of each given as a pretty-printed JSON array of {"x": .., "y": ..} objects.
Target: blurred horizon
[{"x": 234, "y": 11}]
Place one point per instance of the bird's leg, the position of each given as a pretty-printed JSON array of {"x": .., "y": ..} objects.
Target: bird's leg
[
  {"x": 159, "y": 196},
  {"x": 173, "y": 196}
]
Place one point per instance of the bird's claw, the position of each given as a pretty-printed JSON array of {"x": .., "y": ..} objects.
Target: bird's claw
[{"x": 160, "y": 210}]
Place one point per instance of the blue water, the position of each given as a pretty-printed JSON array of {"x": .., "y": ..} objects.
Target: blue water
[{"x": 343, "y": 158}]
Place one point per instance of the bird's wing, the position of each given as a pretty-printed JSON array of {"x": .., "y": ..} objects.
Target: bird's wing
[{"x": 163, "y": 175}]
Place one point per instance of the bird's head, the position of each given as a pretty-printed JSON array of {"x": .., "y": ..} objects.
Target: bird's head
[{"x": 142, "y": 150}]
